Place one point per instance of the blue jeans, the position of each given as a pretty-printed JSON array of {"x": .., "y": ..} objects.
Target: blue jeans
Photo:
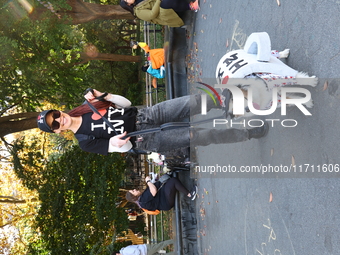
[{"x": 175, "y": 110}]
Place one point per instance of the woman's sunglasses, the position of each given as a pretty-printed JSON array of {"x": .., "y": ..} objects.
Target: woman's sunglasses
[{"x": 55, "y": 124}]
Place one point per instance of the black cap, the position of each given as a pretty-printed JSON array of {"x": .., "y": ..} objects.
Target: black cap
[{"x": 41, "y": 120}]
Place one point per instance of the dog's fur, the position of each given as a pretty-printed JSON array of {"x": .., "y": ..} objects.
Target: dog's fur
[{"x": 262, "y": 92}]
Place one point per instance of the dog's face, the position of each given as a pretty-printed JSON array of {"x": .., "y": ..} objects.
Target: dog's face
[{"x": 155, "y": 157}]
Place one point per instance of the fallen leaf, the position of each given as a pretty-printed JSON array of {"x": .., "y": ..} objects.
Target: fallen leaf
[
  {"x": 270, "y": 197},
  {"x": 325, "y": 85},
  {"x": 293, "y": 161},
  {"x": 278, "y": 2},
  {"x": 272, "y": 152}
]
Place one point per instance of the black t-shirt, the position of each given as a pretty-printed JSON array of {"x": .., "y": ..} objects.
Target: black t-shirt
[
  {"x": 95, "y": 127},
  {"x": 152, "y": 203}
]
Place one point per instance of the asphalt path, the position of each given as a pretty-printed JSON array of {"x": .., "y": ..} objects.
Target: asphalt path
[{"x": 278, "y": 213}]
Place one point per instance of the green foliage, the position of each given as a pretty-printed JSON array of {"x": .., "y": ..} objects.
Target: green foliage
[
  {"x": 39, "y": 59},
  {"x": 26, "y": 159},
  {"x": 78, "y": 193},
  {"x": 112, "y": 36}
]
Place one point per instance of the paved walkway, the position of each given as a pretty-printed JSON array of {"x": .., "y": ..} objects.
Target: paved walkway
[{"x": 269, "y": 215}]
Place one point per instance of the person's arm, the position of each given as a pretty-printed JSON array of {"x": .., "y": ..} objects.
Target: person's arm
[
  {"x": 119, "y": 101},
  {"x": 149, "y": 14},
  {"x": 152, "y": 187},
  {"x": 117, "y": 144}
]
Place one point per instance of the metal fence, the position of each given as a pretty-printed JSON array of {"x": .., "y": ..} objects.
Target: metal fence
[{"x": 150, "y": 37}]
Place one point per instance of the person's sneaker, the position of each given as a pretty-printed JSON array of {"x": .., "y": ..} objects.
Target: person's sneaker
[
  {"x": 193, "y": 192},
  {"x": 258, "y": 132},
  {"x": 194, "y": 6}
]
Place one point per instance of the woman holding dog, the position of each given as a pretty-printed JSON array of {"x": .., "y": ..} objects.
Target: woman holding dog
[
  {"x": 159, "y": 196},
  {"x": 162, "y": 12},
  {"x": 94, "y": 135}
]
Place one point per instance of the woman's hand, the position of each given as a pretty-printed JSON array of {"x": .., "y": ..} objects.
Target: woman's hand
[
  {"x": 117, "y": 141},
  {"x": 92, "y": 97},
  {"x": 152, "y": 187}
]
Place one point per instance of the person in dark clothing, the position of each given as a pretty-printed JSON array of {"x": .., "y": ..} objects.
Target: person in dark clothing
[
  {"x": 126, "y": 118},
  {"x": 162, "y": 12},
  {"x": 158, "y": 196}
]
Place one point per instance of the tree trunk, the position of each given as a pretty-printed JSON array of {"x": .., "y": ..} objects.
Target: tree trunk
[
  {"x": 13, "y": 200},
  {"x": 18, "y": 122},
  {"x": 109, "y": 57},
  {"x": 82, "y": 12}
]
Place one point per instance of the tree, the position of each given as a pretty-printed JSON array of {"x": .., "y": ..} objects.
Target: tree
[
  {"x": 69, "y": 185},
  {"x": 109, "y": 57},
  {"x": 81, "y": 12},
  {"x": 18, "y": 207},
  {"x": 17, "y": 123},
  {"x": 40, "y": 60},
  {"x": 37, "y": 63}
]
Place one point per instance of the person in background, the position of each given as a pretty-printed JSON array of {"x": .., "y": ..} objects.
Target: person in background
[
  {"x": 159, "y": 196},
  {"x": 157, "y": 73},
  {"x": 163, "y": 12},
  {"x": 144, "y": 249}
]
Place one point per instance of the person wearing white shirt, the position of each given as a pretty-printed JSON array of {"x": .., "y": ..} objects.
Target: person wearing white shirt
[{"x": 144, "y": 249}]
